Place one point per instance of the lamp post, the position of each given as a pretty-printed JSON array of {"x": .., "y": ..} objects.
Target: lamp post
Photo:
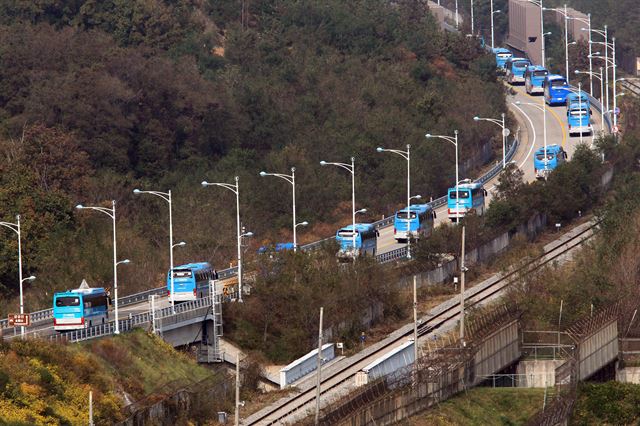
[
  {"x": 166, "y": 196},
  {"x": 407, "y": 156},
  {"x": 564, "y": 13},
  {"x": 605, "y": 34},
  {"x": 588, "y": 22},
  {"x": 235, "y": 188},
  {"x": 15, "y": 227},
  {"x": 609, "y": 63},
  {"x": 492, "y": 30},
  {"x": 111, "y": 212},
  {"x": 472, "y": 26},
  {"x": 351, "y": 168},
  {"x": 292, "y": 180},
  {"x": 454, "y": 141},
  {"x": 599, "y": 77},
  {"x": 505, "y": 133},
  {"x": 542, "y": 33}
]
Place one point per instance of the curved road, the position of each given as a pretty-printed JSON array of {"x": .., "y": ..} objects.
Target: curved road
[{"x": 530, "y": 119}]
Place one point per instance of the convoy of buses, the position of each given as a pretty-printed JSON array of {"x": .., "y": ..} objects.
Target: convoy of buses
[{"x": 85, "y": 307}]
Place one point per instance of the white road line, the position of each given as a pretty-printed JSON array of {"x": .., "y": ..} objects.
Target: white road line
[{"x": 533, "y": 142}]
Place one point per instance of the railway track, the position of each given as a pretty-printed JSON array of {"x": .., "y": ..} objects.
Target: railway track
[{"x": 446, "y": 312}]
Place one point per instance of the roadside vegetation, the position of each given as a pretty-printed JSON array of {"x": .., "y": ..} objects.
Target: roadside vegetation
[
  {"x": 101, "y": 98},
  {"x": 610, "y": 403},
  {"x": 483, "y": 407},
  {"x": 49, "y": 383}
]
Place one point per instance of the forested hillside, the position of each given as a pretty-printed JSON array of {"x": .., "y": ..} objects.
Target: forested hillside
[{"x": 99, "y": 98}]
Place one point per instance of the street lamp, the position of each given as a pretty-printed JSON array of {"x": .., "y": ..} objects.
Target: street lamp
[
  {"x": 492, "y": 31},
  {"x": 454, "y": 141},
  {"x": 292, "y": 180},
  {"x": 235, "y": 188},
  {"x": 599, "y": 77},
  {"x": 505, "y": 133},
  {"x": 111, "y": 212},
  {"x": 407, "y": 156},
  {"x": 588, "y": 22},
  {"x": 610, "y": 63},
  {"x": 351, "y": 168},
  {"x": 542, "y": 33},
  {"x": 564, "y": 13},
  {"x": 166, "y": 196},
  {"x": 15, "y": 227},
  {"x": 605, "y": 34}
]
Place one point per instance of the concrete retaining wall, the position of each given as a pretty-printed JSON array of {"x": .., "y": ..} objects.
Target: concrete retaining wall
[
  {"x": 537, "y": 373},
  {"x": 628, "y": 375}
]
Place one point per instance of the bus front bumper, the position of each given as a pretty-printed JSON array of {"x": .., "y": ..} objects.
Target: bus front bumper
[
  {"x": 576, "y": 130},
  {"x": 536, "y": 89},
  {"x": 404, "y": 235}
]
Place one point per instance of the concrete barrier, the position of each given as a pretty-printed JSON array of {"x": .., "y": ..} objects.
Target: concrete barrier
[
  {"x": 390, "y": 362},
  {"x": 305, "y": 365}
]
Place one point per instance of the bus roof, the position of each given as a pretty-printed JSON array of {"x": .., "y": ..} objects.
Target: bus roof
[
  {"x": 501, "y": 50},
  {"x": 554, "y": 77},
  {"x": 360, "y": 227},
  {"x": 536, "y": 68},
  {"x": 468, "y": 185},
  {"x": 195, "y": 266},
  {"x": 517, "y": 58},
  {"x": 419, "y": 208},
  {"x": 554, "y": 149},
  {"x": 77, "y": 291},
  {"x": 574, "y": 96}
]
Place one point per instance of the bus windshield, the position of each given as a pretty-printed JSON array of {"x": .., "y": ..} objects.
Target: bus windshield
[
  {"x": 540, "y": 73},
  {"x": 520, "y": 64},
  {"x": 403, "y": 215},
  {"x": 182, "y": 273},
  {"x": 558, "y": 83},
  {"x": 67, "y": 301},
  {"x": 346, "y": 234},
  {"x": 463, "y": 194},
  {"x": 504, "y": 55},
  {"x": 541, "y": 156}
]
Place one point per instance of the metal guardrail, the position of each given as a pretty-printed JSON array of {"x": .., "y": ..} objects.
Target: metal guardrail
[
  {"x": 401, "y": 252},
  {"x": 47, "y": 314},
  {"x": 183, "y": 312}
]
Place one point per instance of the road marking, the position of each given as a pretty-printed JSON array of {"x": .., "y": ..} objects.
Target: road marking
[
  {"x": 557, "y": 117},
  {"x": 533, "y": 142}
]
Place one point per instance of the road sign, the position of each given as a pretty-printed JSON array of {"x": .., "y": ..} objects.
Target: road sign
[
  {"x": 19, "y": 320},
  {"x": 506, "y": 132},
  {"x": 615, "y": 129}
]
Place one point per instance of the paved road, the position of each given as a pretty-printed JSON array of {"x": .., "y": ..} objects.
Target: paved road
[{"x": 530, "y": 119}]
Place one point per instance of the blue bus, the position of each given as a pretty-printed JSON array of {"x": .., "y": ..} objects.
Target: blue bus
[
  {"x": 279, "y": 247},
  {"x": 416, "y": 222},
  {"x": 533, "y": 78},
  {"x": 366, "y": 241},
  {"x": 190, "y": 281},
  {"x": 556, "y": 89},
  {"x": 545, "y": 163},
  {"x": 578, "y": 114},
  {"x": 80, "y": 308},
  {"x": 515, "y": 68},
  {"x": 472, "y": 197},
  {"x": 502, "y": 56}
]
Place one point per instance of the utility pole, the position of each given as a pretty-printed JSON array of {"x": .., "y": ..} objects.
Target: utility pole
[
  {"x": 415, "y": 330},
  {"x": 319, "y": 368},
  {"x": 237, "y": 415},
  {"x": 462, "y": 271}
]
